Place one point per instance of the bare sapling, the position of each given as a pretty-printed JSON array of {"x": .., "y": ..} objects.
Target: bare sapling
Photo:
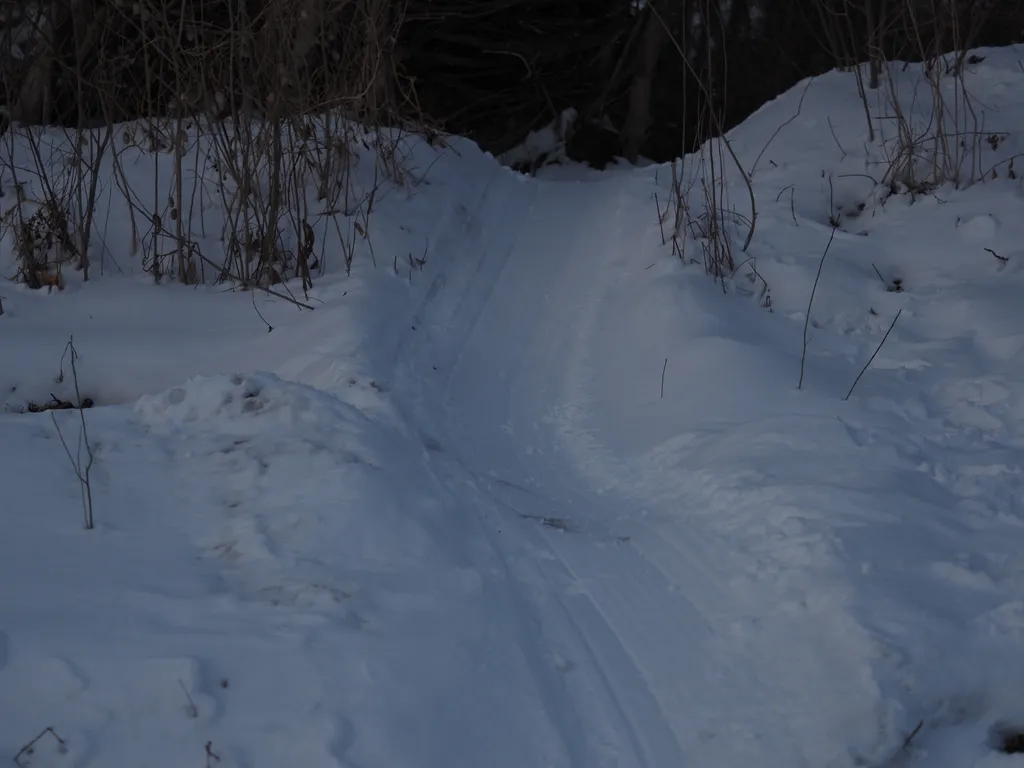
[
  {"x": 810, "y": 305},
  {"x": 82, "y": 458},
  {"x": 873, "y": 356}
]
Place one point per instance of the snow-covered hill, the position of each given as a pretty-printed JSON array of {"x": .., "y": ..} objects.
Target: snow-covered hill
[{"x": 551, "y": 497}]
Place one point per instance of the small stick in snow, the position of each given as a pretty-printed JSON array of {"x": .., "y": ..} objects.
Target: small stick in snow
[
  {"x": 799, "y": 109},
  {"x": 833, "y": 218},
  {"x": 29, "y": 748},
  {"x": 836, "y": 138},
  {"x": 256, "y": 286},
  {"x": 1003, "y": 259},
  {"x": 792, "y": 203},
  {"x": 810, "y": 303},
  {"x": 211, "y": 756},
  {"x": 270, "y": 328},
  {"x": 913, "y": 733},
  {"x": 880, "y": 276},
  {"x": 82, "y": 466},
  {"x": 193, "y": 710},
  {"x": 663, "y": 369},
  {"x": 661, "y": 218},
  {"x": 877, "y": 350}
]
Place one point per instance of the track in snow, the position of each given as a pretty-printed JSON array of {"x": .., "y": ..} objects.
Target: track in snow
[{"x": 654, "y": 647}]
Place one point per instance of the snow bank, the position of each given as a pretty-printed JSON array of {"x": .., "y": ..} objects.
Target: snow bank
[{"x": 272, "y": 574}]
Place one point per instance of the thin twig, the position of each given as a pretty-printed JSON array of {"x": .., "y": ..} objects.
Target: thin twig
[
  {"x": 913, "y": 733},
  {"x": 880, "y": 276},
  {"x": 193, "y": 710},
  {"x": 836, "y": 138},
  {"x": 868, "y": 364},
  {"x": 661, "y": 223},
  {"x": 810, "y": 302},
  {"x": 257, "y": 286},
  {"x": 270, "y": 328},
  {"x": 781, "y": 191},
  {"x": 29, "y": 748},
  {"x": 799, "y": 109},
  {"x": 791, "y": 188},
  {"x": 832, "y": 217},
  {"x": 211, "y": 756},
  {"x": 663, "y": 369},
  {"x": 82, "y": 470},
  {"x": 857, "y": 176}
]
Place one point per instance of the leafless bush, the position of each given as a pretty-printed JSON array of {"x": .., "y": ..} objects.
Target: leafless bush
[
  {"x": 943, "y": 146},
  {"x": 698, "y": 211},
  {"x": 714, "y": 228},
  {"x": 258, "y": 113},
  {"x": 272, "y": 129},
  {"x": 42, "y": 244},
  {"x": 711, "y": 228},
  {"x": 59, "y": 183},
  {"x": 53, "y": 218},
  {"x": 943, "y": 143},
  {"x": 678, "y": 207}
]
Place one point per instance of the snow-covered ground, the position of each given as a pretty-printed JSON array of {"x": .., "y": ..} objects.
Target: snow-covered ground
[{"x": 551, "y": 498}]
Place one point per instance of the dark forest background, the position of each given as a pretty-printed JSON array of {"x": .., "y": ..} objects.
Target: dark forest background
[{"x": 647, "y": 79}]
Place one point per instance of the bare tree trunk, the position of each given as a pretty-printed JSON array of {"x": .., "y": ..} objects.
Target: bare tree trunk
[
  {"x": 876, "y": 22},
  {"x": 638, "y": 118},
  {"x": 33, "y": 103},
  {"x": 377, "y": 58},
  {"x": 309, "y": 29}
]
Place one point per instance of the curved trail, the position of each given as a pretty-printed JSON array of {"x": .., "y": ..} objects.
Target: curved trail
[{"x": 649, "y": 636}]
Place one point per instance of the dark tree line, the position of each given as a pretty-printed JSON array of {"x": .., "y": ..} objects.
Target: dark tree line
[{"x": 648, "y": 78}]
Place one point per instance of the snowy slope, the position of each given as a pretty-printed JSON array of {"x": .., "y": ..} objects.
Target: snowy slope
[{"x": 554, "y": 498}]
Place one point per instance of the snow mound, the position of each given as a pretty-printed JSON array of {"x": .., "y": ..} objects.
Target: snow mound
[{"x": 245, "y": 403}]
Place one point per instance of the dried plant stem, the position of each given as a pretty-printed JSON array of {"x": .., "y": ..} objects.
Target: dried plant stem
[
  {"x": 810, "y": 303},
  {"x": 82, "y": 466},
  {"x": 872, "y": 358}
]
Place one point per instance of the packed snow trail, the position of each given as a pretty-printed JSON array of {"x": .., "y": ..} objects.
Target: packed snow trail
[{"x": 497, "y": 375}]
